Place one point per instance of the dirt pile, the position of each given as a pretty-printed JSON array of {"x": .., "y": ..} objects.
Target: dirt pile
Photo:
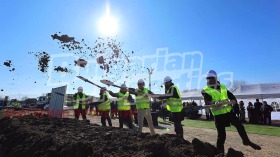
[
  {"x": 43, "y": 60},
  {"x": 46, "y": 136},
  {"x": 9, "y": 63}
]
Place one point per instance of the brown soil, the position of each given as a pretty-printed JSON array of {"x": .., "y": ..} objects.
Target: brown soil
[
  {"x": 45, "y": 136},
  {"x": 270, "y": 144}
]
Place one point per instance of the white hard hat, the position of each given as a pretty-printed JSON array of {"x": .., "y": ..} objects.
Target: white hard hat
[
  {"x": 140, "y": 81},
  {"x": 123, "y": 86},
  {"x": 167, "y": 79},
  {"x": 211, "y": 73},
  {"x": 80, "y": 89}
]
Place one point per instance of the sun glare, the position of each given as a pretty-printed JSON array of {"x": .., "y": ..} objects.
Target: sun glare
[{"x": 108, "y": 25}]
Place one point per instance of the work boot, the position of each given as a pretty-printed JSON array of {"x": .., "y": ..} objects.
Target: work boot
[{"x": 251, "y": 144}]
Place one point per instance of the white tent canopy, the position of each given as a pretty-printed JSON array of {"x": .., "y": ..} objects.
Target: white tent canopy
[
  {"x": 193, "y": 94},
  {"x": 261, "y": 91}
]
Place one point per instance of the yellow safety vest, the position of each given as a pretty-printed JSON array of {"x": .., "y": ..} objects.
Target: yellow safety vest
[
  {"x": 76, "y": 106},
  {"x": 218, "y": 96},
  {"x": 104, "y": 106},
  {"x": 123, "y": 104},
  {"x": 142, "y": 101},
  {"x": 17, "y": 105},
  {"x": 174, "y": 104}
]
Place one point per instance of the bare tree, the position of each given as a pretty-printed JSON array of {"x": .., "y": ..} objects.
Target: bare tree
[
  {"x": 44, "y": 94},
  {"x": 234, "y": 85},
  {"x": 24, "y": 98}
]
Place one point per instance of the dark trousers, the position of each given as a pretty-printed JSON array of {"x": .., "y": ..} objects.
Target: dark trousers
[
  {"x": 164, "y": 113},
  {"x": 209, "y": 115},
  {"x": 267, "y": 117},
  {"x": 177, "y": 118},
  {"x": 125, "y": 116},
  {"x": 80, "y": 111},
  {"x": 221, "y": 123},
  {"x": 259, "y": 116},
  {"x": 105, "y": 116}
]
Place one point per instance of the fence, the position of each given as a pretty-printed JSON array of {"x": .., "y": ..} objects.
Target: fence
[{"x": 11, "y": 112}]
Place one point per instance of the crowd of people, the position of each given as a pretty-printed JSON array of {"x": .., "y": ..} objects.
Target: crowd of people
[{"x": 259, "y": 113}]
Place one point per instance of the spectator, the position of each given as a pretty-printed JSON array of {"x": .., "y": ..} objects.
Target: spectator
[
  {"x": 194, "y": 103},
  {"x": 191, "y": 111},
  {"x": 267, "y": 109},
  {"x": 251, "y": 110},
  {"x": 236, "y": 111},
  {"x": 164, "y": 111},
  {"x": 242, "y": 111},
  {"x": 209, "y": 115},
  {"x": 258, "y": 111}
]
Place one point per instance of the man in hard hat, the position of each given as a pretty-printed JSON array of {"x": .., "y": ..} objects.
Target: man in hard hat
[
  {"x": 217, "y": 94},
  {"x": 80, "y": 105},
  {"x": 124, "y": 99},
  {"x": 104, "y": 106},
  {"x": 173, "y": 104},
  {"x": 143, "y": 105}
]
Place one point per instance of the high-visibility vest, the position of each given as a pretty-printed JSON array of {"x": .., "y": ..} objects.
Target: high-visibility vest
[
  {"x": 104, "y": 106},
  {"x": 142, "y": 101},
  {"x": 76, "y": 106},
  {"x": 174, "y": 104},
  {"x": 123, "y": 104},
  {"x": 218, "y": 96},
  {"x": 17, "y": 105}
]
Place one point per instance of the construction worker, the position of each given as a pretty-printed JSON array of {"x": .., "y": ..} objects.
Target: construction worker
[
  {"x": 173, "y": 104},
  {"x": 216, "y": 93},
  {"x": 124, "y": 99},
  {"x": 80, "y": 105},
  {"x": 143, "y": 105},
  {"x": 17, "y": 105},
  {"x": 104, "y": 106}
]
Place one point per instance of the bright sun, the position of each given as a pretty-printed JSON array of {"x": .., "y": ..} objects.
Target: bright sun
[{"x": 108, "y": 25}]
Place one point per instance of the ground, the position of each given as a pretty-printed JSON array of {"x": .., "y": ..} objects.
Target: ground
[
  {"x": 45, "y": 136},
  {"x": 270, "y": 144}
]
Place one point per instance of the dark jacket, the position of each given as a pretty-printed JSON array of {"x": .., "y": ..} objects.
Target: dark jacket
[{"x": 267, "y": 109}]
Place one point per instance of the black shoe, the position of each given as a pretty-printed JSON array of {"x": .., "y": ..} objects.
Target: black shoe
[{"x": 253, "y": 145}]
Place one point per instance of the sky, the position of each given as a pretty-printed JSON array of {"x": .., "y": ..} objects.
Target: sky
[{"x": 239, "y": 39}]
